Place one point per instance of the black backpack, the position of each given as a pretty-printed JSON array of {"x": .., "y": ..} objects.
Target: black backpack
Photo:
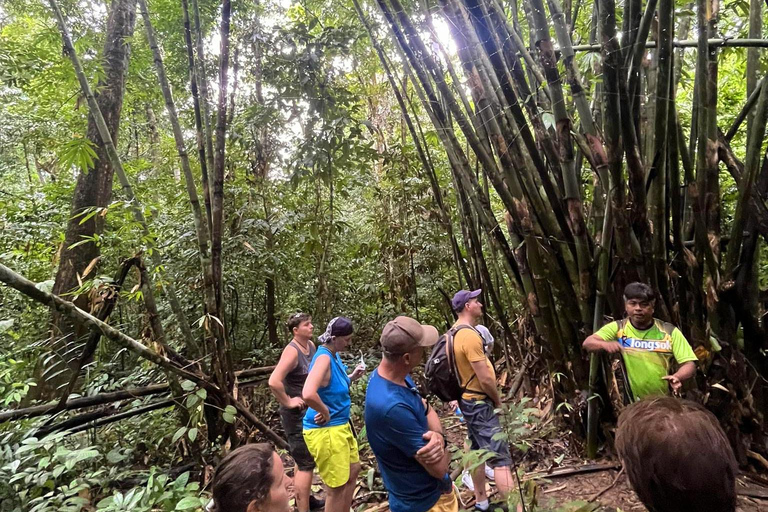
[{"x": 441, "y": 373}]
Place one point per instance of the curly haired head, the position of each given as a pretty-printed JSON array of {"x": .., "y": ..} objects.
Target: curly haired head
[{"x": 677, "y": 456}]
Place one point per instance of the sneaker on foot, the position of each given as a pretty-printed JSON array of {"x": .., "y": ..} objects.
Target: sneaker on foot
[
  {"x": 466, "y": 479},
  {"x": 316, "y": 503},
  {"x": 489, "y": 474}
]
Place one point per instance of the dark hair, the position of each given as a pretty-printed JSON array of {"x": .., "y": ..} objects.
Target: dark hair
[
  {"x": 296, "y": 320},
  {"x": 243, "y": 476},
  {"x": 639, "y": 291},
  {"x": 677, "y": 456}
]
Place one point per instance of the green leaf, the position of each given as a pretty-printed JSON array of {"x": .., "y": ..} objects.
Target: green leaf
[
  {"x": 192, "y": 434},
  {"x": 188, "y": 503},
  {"x": 178, "y": 434},
  {"x": 77, "y": 152}
]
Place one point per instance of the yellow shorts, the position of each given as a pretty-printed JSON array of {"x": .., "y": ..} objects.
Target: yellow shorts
[
  {"x": 334, "y": 450},
  {"x": 446, "y": 503}
]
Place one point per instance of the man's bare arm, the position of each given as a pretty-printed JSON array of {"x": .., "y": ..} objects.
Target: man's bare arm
[
  {"x": 433, "y": 451},
  {"x": 595, "y": 343},
  {"x": 487, "y": 384},
  {"x": 685, "y": 372},
  {"x": 288, "y": 361}
]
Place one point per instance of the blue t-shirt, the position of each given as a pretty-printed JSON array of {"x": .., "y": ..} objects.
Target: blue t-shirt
[
  {"x": 335, "y": 395},
  {"x": 396, "y": 420}
]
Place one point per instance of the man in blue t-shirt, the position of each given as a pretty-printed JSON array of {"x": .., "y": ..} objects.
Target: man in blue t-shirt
[{"x": 404, "y": 432}]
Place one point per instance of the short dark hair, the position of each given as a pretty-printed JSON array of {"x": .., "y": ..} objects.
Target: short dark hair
[
  {"x": 639, "y": 291},
  {"x": 677, "y": 456},
  {"x": 296, "y": 320},
  {"x": 243, "y": 476}
]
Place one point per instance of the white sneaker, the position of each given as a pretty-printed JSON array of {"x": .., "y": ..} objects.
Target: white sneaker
[
  {"x": 489, "y": 474},
  {"x": 466, "y": 479}
]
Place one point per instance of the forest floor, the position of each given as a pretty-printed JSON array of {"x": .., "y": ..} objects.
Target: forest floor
[
  {"x": 561, "y": 479},
  {"x": 572, "y": 485}
]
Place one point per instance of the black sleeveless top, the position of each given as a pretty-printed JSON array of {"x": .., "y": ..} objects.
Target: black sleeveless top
[{"x": 294, "y": 381}]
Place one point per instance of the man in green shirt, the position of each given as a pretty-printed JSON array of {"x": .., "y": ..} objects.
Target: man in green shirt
[{"x": 648, "y": 346}]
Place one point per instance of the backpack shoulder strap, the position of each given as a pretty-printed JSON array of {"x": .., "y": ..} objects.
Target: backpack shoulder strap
[
  {"x": 666, "y": 327},
  {"x": 621, "y": 323}
]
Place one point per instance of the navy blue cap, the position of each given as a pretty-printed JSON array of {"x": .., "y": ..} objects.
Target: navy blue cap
[
  {"x": 462, "y": 297},
  {"x": 339, "y": 326},
  {"x": 342, "y": 327}
]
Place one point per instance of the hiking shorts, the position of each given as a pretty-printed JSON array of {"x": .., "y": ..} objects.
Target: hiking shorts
[
  {"x": 446, "y": 503},
  {"x": 482, "y": 425},
  {"x": 297, "y": 447},
  {"x": 334, "y": 450}
]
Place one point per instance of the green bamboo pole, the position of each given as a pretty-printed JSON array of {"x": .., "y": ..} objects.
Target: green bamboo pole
[
  {"x": 201, "y": 223},
  {"x": 570, "y": 177},
  {"x": 751, "y": 170},
  {"x": 658, "y": 170},
  {"x": 433, "y": 107},
  {"x": 420, "y": 150}
]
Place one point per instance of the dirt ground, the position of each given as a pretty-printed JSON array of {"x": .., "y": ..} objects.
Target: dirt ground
[
  {"x": 552, "y": 467},
  {"x": 606, "y": 489}
]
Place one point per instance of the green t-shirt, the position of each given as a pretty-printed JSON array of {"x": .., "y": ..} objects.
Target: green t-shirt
[{"x": 648, "y": 355}]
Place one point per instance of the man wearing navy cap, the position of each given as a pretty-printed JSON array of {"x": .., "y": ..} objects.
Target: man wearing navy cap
[{"x": 481, "y": 397}]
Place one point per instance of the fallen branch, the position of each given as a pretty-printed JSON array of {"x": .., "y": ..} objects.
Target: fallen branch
[
  {"x": 29, "y": 289},
  {"x": 562, "y": 472},
  {"x": 117, "y": 396},
  {"x": 123, "y": 415},
  {"x": 83, "y": 402},
  {"x": 608, "y": 488}
]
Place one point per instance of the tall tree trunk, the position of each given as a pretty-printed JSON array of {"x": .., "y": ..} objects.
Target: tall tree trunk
[{"x": 93, "y": 190}]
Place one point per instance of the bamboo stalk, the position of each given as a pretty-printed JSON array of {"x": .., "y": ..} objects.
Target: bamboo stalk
[
  {"x": 634, "y": 56},
  {"x": 420, "y": 150},
  {"x": 701, "y": 189},
  {"x": 455, "y": 154},
  {"x": 658, "y": 169},
  {"x": 570, "y": 176},
  {"x": 612, "y": 128},
  {"x": 751, "y": 170},
  {"x": 201, "y": 226},
  {"x": 202, "y": 79},
  {"x": 563, "y": 259},
  {"x": 753, "y": 62},
  {"x": 201, "y": 135},
  {"x": 745, "y": 111},
  {"x": 223, "y": 360}
]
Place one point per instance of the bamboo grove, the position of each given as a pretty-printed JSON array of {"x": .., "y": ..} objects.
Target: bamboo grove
[
  {"x": 600, "y": 181},
  {"x": 568, "y": 178}
]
